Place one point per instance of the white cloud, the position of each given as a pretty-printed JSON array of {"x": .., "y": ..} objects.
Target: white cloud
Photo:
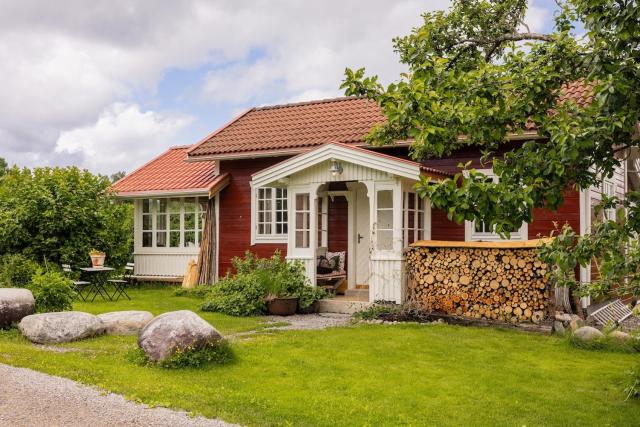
[
  {"x": 122, "y": 138},
  {"x": 537, "y": 18}
]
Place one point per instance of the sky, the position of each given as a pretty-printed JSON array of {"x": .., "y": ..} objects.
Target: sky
[{"x": 108, "y": 85}]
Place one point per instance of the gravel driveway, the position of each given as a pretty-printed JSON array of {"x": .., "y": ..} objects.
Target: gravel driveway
[{"x": 30, "y": 398}]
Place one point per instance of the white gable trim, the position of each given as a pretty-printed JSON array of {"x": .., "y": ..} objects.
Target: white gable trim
[{"x": 339, "y": 152}]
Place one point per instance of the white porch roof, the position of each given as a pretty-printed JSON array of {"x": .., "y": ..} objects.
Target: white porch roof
[{"x": 345, "y": 153}]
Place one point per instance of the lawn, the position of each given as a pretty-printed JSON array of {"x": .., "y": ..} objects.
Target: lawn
[{"x": 402, "y": 374}]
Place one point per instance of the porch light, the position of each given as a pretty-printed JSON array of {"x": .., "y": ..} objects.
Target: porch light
[{"x": 335, "y": 168}]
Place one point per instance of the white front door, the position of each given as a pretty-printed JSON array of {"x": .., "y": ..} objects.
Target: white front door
[{"x": 362, "y": 235}]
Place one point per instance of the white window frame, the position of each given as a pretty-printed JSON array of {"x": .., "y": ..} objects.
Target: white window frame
[
  {"x": 471, "y": 234},
  {"x": 154, "y": 248},
  {"x": 420, "y": 205},
  {"x": 608, "y": 188},
  {"x": 273, "y": 237}
]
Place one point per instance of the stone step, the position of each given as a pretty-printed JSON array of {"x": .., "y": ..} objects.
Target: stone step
[
  {"x": 357, "y": 294},
  {"x": 331, "y": 305}
]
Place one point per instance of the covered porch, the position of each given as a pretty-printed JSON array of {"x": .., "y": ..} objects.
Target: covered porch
[{"x": 355, "y": 209}]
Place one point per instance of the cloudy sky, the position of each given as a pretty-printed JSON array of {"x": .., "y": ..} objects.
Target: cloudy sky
[{"x": 106, "y": 85}]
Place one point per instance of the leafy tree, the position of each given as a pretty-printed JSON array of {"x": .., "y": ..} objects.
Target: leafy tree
[
  {"x": 3, "y": 166},
  {"x": 60, "y": 214},
  {"x": 117, "y": 176},
  {"x": 477, "y": 77}
]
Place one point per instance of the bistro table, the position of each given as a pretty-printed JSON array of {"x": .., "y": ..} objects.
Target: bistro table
[{"x": 99, "y": 279}]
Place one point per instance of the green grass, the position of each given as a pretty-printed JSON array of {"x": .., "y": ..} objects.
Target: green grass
[{"x": 363, "y": 375}]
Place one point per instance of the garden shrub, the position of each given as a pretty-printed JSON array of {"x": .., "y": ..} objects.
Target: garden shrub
[
  {"x": 52, "y": 291},
  {"x": 239, "y": 295},
  {"x": 632, "y": 390},
  {"x": 219, "y": 353},
  {"x": 16, "y": 270},
  {"x": 310, "y": 294}
]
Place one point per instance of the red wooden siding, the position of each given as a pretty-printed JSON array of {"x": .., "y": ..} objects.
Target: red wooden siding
[
  {"x": 544, "y": 219},
  {"x": 235, "y": 213},
  {"x": 338, "y": 222},
  {"x": 443, "y": 229}
]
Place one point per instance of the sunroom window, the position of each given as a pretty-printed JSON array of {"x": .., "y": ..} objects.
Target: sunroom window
[
  {"x": 172, "y": 222},
  {"x": 412, "y": 218},
  {"x": 303, "y": 220},
  {"x": 271, "y": 212},
  {"x": 384, "y": 220}
]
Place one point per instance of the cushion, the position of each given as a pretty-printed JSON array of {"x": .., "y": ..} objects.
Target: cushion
[{"x": 336, "y": 260}]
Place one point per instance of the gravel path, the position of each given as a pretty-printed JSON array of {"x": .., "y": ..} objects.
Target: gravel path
[
  {"x": 30, "y": 398},
  {"x": 310, "y": 321}
]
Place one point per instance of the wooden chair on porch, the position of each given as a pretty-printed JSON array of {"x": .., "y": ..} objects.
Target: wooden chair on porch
[{"x": 332, "y": 280}]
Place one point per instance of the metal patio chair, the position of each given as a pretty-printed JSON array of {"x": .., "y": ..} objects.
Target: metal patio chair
[
  {"x": 78, "y": 285},
  {"x": 120, "y": 284}
]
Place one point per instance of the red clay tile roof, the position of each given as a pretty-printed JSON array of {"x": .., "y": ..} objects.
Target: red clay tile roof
[
  {"x": 293, "y": 127},
  {"x": 169, "y": 172}
]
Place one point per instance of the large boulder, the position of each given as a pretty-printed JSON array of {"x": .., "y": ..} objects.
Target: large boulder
[
  {"x": 125, "y": 322},
  {"x": 52, "y": 328},
  {"x": 587, "y": 333},
  {"x": 15, "y": 303},
  {"x": 176, "y": 330},
  {"x": 620, "y": 336}
]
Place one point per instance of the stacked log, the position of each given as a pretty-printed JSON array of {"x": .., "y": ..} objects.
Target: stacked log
[{"x": 506, "y": 284}]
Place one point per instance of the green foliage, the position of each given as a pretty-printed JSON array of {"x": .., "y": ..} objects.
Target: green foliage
[
  {"x": 3, "y": 167},
  {"x": 199, "y": 292},
  {"x": 239, "y": 295},
  {"x": 471, "y": 82},
  {"x": 59, "y": 214},
  {"x": 16, "y": 270},
  {"x": 606, "y": 343},
  {"x": 307, "y": 295},
  {"x": 632, "y": 390},
  {"x": 219, "y": 353},
  {"x": 376, "y": 311},
  {"x": 52, "y": 291}
]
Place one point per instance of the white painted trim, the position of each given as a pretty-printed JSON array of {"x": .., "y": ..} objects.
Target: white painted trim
[
  {"x": 217, "y": 259},
  {"x": 163, "y": 194},
  {"x": 255, "y": 237},
  {"x": 327, "y": 152},
  {"x": 585, "y": 228}
]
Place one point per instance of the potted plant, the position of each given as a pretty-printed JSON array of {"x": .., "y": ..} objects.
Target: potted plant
[
  {"x": 280, "y": 302},
  {"x": 309, "y": 297},
  {"x": 97, "y": 258}
]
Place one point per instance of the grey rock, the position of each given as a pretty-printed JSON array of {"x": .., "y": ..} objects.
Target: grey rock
[
  {"x": 176, "y": 330},
  {"x": 576, "y": 323},
  {"x": 558, "y": 327},
  {"x": 620, "y": 336},
  {"x": 587, "y": 333},
  {"x": 563, "y": 317},
  {"x": 52, "y": 328},
  {"x": 125, "y": 322},
  {"x": 15, "y": 303}
]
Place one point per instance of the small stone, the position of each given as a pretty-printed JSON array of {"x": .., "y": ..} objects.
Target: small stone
[
  {"x": 576, "y": 323},
  {"x": 563, "y": 317},
  {"x": 558, "y": 327},
  {"x": 587, "y": 333},
  {"x": 441, "y": 321},
  {"x": 15, "y": 303},
  {"x": 620, "y": 336}
]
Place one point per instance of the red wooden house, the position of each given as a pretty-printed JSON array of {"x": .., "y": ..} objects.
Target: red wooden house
[{"x": 299, "y": 178}]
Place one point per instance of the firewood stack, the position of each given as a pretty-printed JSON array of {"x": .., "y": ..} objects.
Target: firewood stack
[{"x": 482, "y": 283}]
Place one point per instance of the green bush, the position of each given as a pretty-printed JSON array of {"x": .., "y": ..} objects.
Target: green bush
[
  {"x": 239, "y": 295},
  {"x": 219, "y": 353},
  {"x": 52, "y": 291},
  {"x": 632, "y": 390},
  {"x": 310, "y": 294},
  {"x": 199, "y": 292},
  {"x": 16, "y": 270}
]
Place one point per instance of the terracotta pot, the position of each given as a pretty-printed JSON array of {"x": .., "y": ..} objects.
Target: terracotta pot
[
  {"x": 97, "y": 260},
  {"x": 282, "y": 306}
]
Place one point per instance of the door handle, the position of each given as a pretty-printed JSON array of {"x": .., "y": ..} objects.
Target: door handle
[{"x": 360, "y": 237}]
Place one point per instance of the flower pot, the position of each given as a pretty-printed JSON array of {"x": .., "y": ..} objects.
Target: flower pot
[
  {"x": 97, "y": 260},
  {"x": 313, "y": 308},
  {"x": 282, "y": 306}
]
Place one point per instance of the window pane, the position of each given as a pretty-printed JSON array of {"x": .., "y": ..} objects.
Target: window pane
[
  {"x": 174, "y": 222},
  {"x": 302, "y": 202},
  {"x": 161, "y": 222},
  {"x": 146, "y": 206},
  {"x": 174, "y": 205},
  {"x": 162, "y": 205},
  {"x": 202, "y": 203},
  {"x": 146, "y": 222},
  {"x": 189, "y": 204},
  {"x": 385, "y": 199},
  {"x": 385, "y": 219},
  {"x": 302, "y": 239},
  {"x": 161, "y": 239},
  {"x": 199, "y": 236},
  {"x": 174, "y": 239},
  {"x": 189, "y": 221},
  {"x": 147, "y": 239},
  {"x": 385, "y": 241},
  {"x": 189, "y": 239}
]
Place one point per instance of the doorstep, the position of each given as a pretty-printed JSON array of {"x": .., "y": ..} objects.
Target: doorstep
[{"x": 341, "y": 305}]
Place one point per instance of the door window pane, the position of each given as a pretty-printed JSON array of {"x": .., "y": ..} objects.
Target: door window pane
[{"x": 303, "y": 216}]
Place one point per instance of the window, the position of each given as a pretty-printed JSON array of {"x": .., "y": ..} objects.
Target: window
[
  {"x": 384, "y": 220},
  {"x": 271, "y": 212},
  {"x": 608, "y": 189},
  {"x": 412, "y": 218},
  {"x": 173, "y": 222},
  {"x": 323, "y": 221},
  {"x": 303, "y": 223},
  {"x": 483, "y": 231}
]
